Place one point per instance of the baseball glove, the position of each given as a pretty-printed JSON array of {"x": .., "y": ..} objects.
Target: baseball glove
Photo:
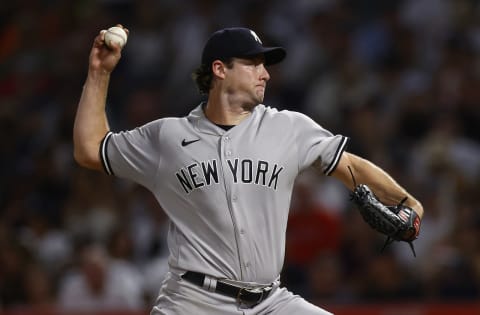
[{"x": 398, "y": 223}]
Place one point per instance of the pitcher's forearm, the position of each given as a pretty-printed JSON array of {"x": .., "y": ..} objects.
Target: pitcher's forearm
[
  {"x": 91, "y": 123},
  {"x": 386, "y": 188}
]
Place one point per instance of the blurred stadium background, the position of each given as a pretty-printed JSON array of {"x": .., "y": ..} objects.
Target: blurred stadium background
[{"x": 401, "y": 78}]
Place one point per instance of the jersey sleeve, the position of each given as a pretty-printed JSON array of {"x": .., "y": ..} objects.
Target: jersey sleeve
[
  {"x": 316, "y": 144},
  {"x": 132, "y": 154}
]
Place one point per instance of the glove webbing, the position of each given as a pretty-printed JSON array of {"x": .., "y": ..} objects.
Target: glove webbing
[{"x": 389, "y": 239}]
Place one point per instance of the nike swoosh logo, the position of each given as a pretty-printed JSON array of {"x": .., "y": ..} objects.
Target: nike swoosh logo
[{"x": 185, "y": 142}]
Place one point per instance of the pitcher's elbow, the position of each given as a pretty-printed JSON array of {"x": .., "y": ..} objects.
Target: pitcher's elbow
[
  {"x": 87, "y": 159},
  {"x": 78, "y": 157}
]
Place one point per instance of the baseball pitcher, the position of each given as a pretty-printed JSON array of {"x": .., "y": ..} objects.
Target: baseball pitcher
[{"x": 224, "y": 176}]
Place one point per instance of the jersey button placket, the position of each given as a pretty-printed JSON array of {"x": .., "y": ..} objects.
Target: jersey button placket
[
  {"x": 228, "y": 150},
  {"x": 227, "y": 154}
]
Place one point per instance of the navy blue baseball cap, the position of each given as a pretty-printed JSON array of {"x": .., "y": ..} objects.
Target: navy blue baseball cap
[{"x": 239, "y": 42}]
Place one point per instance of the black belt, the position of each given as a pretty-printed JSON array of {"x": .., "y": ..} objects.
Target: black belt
[{"x": 244, "y": 295}]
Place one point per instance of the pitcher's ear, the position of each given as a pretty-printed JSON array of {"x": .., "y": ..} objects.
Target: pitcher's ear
[{"x": 218, "y": 69}]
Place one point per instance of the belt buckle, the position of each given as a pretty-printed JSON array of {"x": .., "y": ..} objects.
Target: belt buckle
[{"x": 244, "y": 290}]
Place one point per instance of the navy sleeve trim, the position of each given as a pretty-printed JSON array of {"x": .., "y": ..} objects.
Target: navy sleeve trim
[
  {"x": 103, "y": 154},
  {"x": 336, "y": 157}
]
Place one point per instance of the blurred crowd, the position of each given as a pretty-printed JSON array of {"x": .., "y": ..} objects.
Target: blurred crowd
[{"x": 400, "y": 78}]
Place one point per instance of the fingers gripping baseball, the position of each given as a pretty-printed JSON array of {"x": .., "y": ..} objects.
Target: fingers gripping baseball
[{"x": 104, "y": 57}]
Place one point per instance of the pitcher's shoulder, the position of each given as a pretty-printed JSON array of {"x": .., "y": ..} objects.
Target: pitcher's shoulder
[{"x": 275, "y": 113}]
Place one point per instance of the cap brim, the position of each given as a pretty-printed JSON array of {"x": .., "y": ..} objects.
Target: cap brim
[{"x": 272, "y": 55}]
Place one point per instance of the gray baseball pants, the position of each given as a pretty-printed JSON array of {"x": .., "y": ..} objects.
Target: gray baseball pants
[{"x": 180, "y": 297}]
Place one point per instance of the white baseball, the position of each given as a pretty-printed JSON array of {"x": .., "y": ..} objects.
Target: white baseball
[{"x": 117, "y": 35}]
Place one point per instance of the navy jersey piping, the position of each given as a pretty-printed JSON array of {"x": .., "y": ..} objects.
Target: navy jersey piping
[
  {"x": 336, "y": 157},
  {"x": 103, "y": 154}
]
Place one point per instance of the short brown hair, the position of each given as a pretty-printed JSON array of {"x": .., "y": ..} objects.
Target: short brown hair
[{"x": 203, "y": 76}]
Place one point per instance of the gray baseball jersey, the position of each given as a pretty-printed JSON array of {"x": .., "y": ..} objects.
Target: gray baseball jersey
[{"x": 227, "y": 193}]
